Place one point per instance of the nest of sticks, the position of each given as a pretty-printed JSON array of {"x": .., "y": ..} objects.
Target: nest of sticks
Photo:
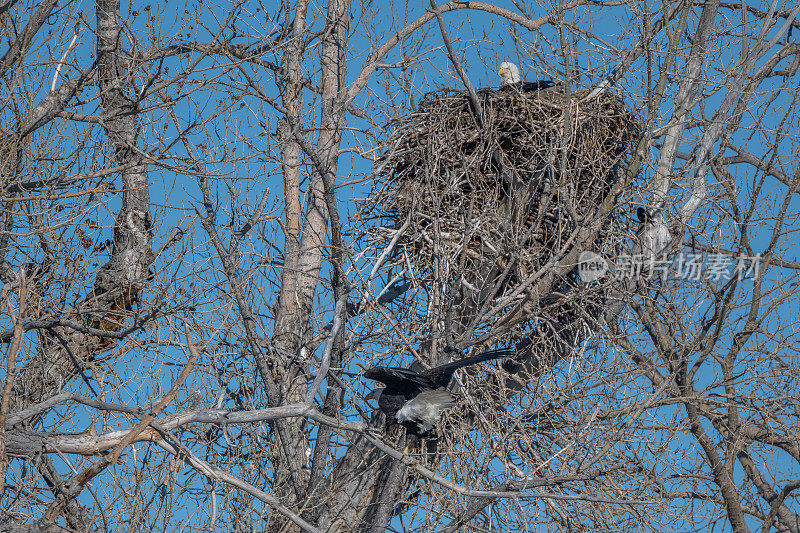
[{"x": 488, "y": 207}]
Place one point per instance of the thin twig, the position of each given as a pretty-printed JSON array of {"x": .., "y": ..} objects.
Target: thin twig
[{"x": 78, "y": 482}]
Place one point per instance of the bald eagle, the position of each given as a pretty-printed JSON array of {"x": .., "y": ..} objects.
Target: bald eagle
[
  {"x": 416, "y": 399},
  {"x": 511, "y": 78}
]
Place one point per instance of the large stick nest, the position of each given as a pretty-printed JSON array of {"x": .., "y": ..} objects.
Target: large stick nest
[{"x": 498, "y": 201}]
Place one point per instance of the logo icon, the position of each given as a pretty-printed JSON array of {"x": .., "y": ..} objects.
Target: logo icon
[{"x": 591, "y": 267}]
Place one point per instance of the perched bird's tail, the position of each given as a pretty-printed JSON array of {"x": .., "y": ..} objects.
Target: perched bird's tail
[
  {"x": 441, "y": 375},
  {"x": 423, "y": 411}
]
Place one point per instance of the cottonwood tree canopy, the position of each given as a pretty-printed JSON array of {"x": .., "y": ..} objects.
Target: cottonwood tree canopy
[{"x": 201, "y": 250}]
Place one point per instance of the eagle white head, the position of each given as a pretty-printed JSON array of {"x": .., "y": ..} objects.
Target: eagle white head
[
  {"x": 425, "y": 409},
  {"x": 509, "y": 73}
]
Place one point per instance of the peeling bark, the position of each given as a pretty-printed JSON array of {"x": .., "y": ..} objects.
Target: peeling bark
[{"x": 65, "y": 353}]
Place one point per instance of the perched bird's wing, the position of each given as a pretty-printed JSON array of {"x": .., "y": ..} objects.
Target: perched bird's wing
[
  {"x": 537, "y": 85},
  {"x": 643, "y": 215},
  {"x": 421, "y": 413},
  {"x": 400, "y": 379},
  {"x": 441, "y": 375}
]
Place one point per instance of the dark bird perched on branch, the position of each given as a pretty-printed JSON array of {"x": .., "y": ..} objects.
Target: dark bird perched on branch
[
  {"x": 510, "y": 77},
  {"x": 645, "y": 215},
  {"x": 416, "y": 399}
]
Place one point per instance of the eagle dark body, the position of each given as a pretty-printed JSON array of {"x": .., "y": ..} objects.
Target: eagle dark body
[
  {"x": 519, "y": 87},
  {"x": 415, "y": 399},
  {"x": 527, "y": 86}
]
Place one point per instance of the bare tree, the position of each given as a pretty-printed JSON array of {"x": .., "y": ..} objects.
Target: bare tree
[{"x": 214, "y": 216}]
